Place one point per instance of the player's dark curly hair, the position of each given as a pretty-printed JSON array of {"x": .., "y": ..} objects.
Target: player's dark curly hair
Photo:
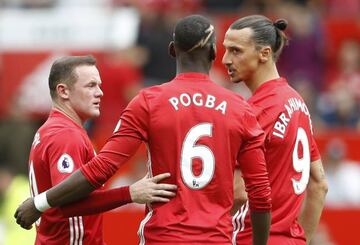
[
  {"x": 265, "y": 32},
  {"x": 192, "y": 32},
  {"x": 62, "y": 70}
]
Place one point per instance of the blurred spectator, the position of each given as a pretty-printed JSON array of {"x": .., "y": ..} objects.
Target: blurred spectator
[
  {"x": 121, "y": 80},
  {"x": 13, "y": 189},
  {"x": 303, "y": 58},
  {"x": 33, "y": 4},
  {"x": 28, "y": 4},
  {"x": 222, "y": 6},
  {"x": 2, "y": 85},
  {"x": 343, "y": 176},
  {"x": 347, "y": 72},
  {"x": 16, "y": 136},
  {"x": 343, "y": 8},
  {"x": 338, "y": 108},
  {"x": 306, "y": 89},
  {"x": 155, "y": 33},
  {"x": 339, "y": 105},
  {"x": 83, "y": 3}
]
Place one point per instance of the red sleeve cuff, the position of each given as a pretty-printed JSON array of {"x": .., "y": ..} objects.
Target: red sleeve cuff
[{"x": 261, "y": 210}]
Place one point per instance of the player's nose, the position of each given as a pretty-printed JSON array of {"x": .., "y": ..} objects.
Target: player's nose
[
  {"x": 225, "y": 59},
  {"x": 99, "y": 92}
]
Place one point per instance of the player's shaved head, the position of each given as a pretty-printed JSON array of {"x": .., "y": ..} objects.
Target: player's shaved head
[
  {"x": 193, "y": 32},
  {"x": 62, "y": 70}
]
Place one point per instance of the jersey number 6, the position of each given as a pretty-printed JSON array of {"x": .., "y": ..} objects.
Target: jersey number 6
[{"x": 190, "y": 151}]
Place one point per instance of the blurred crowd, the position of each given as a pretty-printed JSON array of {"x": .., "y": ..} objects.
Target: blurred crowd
[{"x": 322, "y": 62}]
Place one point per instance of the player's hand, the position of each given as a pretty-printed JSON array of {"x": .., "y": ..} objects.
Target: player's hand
[
  {"x": 26, "y": 214},
  {"x": 148, "y": 190}
]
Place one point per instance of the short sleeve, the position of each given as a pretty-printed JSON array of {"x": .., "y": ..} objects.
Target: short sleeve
[
  {"x": 314, "y": 151},
  {"x": 66, "y": 154}
]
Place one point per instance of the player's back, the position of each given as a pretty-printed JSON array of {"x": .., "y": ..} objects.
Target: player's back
[
  {"x": 195, "y": 133},
  {"x": 59, "y": 147},
  {"x": 289, "y": 148}
]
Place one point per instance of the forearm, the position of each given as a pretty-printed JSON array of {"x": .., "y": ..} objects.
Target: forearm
[
  {"x": 260, "y": 222},
  {"x": 97, "y": 202},
  {"x": 74, "y": 188},
  {"x": 96, "y": 172},
  {"x": 240, "y": 195},
  {"x": 313, "y": 206},
  {"x": 314, "y": 200}
]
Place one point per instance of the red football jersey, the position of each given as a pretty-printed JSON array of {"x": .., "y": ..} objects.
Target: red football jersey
[
  {"x": 60, "y": 147},
  {"x": 289, "y": 150},
  {"x": 196, "y": 130}
]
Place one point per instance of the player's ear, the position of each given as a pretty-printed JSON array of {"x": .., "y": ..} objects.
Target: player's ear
[
  {"x": 62, "y": 90},
  {"x": 171, "y": 49},
  {"x": 265, "y": 54},
  {"x": 212, "y": 52}
]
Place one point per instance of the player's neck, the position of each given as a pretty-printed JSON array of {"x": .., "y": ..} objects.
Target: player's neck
[
  {"x": 203, "y": 71},
  {"x": 69, "y": 112},
  {"x": 263, "y": 75},
  {"x": 198, "y": 67}
]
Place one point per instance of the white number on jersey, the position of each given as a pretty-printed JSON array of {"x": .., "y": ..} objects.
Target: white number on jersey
[
  {"x": 190, "y": 151},
  {"x": 33, "y": 185},
  {"x": 301, "y": 165}
]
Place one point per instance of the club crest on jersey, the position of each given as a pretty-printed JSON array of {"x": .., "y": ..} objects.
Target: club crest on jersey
[{"x": 65, "y": 164}]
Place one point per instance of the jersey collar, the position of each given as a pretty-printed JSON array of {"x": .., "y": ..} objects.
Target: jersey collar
[
  {"x": 192, "y": 75},
  {"x": 270, "y": 83},
  {"x": 57, "y": 113}
]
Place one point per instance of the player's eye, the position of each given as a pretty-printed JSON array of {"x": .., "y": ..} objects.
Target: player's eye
[
  {"x": 235, "y": 50},
  {"x": 92, "y": 84}
]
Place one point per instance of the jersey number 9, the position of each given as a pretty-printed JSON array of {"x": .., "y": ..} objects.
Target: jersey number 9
[{"x": 301, "y": 165}]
